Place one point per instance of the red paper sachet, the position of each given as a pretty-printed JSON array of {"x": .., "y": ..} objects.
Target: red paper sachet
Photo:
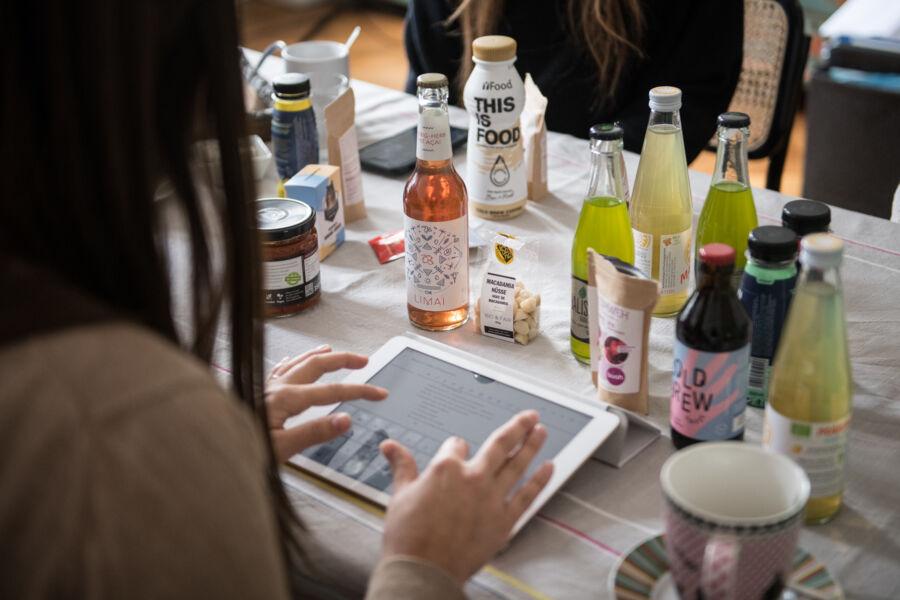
[{"x": 388, "y": 246}]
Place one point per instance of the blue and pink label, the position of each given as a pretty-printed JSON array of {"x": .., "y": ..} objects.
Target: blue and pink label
[{"x": 709, "y": 392}]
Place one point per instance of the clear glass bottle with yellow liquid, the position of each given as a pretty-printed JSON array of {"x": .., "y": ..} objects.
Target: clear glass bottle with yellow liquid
[
  {"x": 661, "y": 213},
  {"x": 602, "y": 225},
  {"x": 810, "y": 393}
]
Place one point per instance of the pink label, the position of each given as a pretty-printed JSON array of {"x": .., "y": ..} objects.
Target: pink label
[{"x": 709, "y": 392}]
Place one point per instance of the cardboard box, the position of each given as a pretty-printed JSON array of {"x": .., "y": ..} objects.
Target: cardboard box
[{"x": 320, "y": 187}]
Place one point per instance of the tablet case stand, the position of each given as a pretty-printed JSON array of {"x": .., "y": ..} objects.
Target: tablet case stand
[{"x": 628, "y": 440}]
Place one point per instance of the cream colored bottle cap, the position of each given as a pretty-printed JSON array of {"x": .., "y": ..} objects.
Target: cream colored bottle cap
[
  {"x": 821, "y": 250},
  {"x": 494, "y": 48},
  {"x": 431, "y": 80},
  {"x": 665, "y": 98}
]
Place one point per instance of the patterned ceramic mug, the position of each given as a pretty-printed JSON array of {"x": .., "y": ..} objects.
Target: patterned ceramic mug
[{"x": 733, "y": 512}]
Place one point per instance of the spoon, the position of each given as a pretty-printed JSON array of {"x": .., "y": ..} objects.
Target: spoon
[{"x": 352, "y": 39}]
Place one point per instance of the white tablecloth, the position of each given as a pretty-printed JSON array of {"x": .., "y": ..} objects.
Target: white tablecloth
[{"x": 570, "y": 548}]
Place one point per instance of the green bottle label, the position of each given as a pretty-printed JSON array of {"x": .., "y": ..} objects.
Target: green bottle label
[{"x": 580, "y": 329}]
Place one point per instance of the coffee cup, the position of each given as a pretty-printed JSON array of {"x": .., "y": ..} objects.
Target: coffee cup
[
  {"x": 732, "y": 515},
  {"x": 320, "y": 59}
]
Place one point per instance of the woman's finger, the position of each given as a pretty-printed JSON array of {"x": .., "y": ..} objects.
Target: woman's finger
[
  {"x": 311, "y": 369},
  {"x": 516, "y": 466},
  {"x": 288, "y": 442},
  {"x": 403, "y": 465},
  {"x": 289, "y": 363},
  {"x": 300, "y": 397},
  {"x": 526, "y": 494},
  {"x": 494, "y": 453},
  {"x": 453, "y": 447}
]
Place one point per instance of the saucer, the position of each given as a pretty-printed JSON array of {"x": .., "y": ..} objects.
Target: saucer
[{"x": 643, "y": 574}]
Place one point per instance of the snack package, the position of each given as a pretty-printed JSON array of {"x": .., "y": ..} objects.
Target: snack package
[
  {"x": 620, "y": 306},
  {"x": 320, "y": 187},
  {"x": 389, "y": 246},
  {"x": 343, "y": 152},
  {"x": 534, "y": 134},
  {"x": 508, "y": 305}
]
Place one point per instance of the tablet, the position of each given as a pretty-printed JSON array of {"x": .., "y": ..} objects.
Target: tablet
[{"x": 436, "y": 392}]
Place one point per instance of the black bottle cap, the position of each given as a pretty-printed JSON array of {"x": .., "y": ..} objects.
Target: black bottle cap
[
  {"x": 734, "y": 120},
  {"x": 771, "y": 243},
  {"x": 806, "y": 216},
  {"x": 291, "y": 85},
  {"x": 607, "y": 132}
]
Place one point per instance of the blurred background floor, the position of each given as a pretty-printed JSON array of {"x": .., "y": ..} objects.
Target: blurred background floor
[{"x": 378, "y": 57}]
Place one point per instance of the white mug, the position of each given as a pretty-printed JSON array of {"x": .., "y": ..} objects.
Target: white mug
[
  {"x": 319, "y": 59},
  {"x": 733, "y": 512}
]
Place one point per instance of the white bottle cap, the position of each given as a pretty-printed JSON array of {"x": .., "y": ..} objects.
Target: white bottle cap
[
  {"x": 821, "y": 250},
  {"x": 665, "y": 98}
]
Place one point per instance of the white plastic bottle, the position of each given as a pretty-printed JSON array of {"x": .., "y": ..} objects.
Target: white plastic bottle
[{"x": 495, "y": 164}]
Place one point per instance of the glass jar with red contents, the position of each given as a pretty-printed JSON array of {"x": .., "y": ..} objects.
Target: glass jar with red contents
[{"x": 290, "y": 255}]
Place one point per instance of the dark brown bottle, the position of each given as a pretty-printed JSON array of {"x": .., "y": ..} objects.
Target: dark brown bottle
[{"x": 712, "y": 356}]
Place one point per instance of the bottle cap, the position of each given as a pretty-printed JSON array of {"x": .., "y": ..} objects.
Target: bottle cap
[
  {"x": 431, "y": 81},
  {"x": 734, "y": 120},
  {"x": 665, "y": 98},
  {"x": 494, "y": 48},
  {"x": 717, "y": 255},
  {"x": 291, "y": 85},
  {"x": 821, "y": 250},
  {"x": 607, "y": 132},
  {"x": 771, "y": 243},
  {"x": 806, "y": 216}
]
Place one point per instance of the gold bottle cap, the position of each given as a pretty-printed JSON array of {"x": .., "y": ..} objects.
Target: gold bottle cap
[
  {"x": 494, "y": 48},
  {"x": 431, "y": 80}
]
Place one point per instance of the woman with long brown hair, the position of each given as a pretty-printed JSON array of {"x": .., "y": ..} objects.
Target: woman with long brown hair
[
  {"x": 595, "y": 60},
  {"x": 127, "y": 470}
]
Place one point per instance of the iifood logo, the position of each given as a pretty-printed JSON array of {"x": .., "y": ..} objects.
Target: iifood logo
[{"x": 488, "y": 86}]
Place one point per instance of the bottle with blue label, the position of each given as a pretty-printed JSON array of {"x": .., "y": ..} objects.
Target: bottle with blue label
[
  {"x": 712, "y": 354},
  {"x": 295, "y": 141},
  {"x": 766, "y": 291}
]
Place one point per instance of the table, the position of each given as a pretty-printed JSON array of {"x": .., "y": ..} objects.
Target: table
[{"x": 570, "y": 548}]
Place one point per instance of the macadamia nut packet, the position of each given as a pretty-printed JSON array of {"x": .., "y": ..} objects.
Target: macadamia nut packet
[
  {"x": 508, "y": 302},
  {"x": 620, "y": 307}
]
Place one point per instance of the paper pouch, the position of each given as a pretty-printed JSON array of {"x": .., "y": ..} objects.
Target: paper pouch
[
  {"x": 343, "y": 152},
  {"x": 620, "y": 306}
]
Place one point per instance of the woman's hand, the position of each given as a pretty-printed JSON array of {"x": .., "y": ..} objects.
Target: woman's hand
[
  {"x": 458, "y": 513},
  {"x": 291, "y": 389}
]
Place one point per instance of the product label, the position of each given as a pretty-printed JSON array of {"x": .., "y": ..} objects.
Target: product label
[
  {"x": 673, "y": 259},
  {"x": 580, "y": 329},
  {"x": 643, "y": 252},
  {"x": 291, "y": 280},
  {"x": 294, "y": 140},
  {"x": 674, "y": 262},
  {"x": 351, "y": 172},
  {"x": 620, "y": 336},
  {"x": 767, "y": 303},
  {"x": 818, "y": 447},
  {"x": 498, "y": 304},
  {"x": 437, "y": 263},
  {"x": 709, "y": 392},
  {"x": 495, "y": 156},
  {"x": 433, "y": 135}
]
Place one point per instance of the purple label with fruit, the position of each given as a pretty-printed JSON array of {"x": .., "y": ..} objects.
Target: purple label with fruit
[{"x": 709, "y": 392}]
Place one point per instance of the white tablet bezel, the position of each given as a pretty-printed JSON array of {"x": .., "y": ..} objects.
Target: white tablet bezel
[{"x": 565, "y": 463}]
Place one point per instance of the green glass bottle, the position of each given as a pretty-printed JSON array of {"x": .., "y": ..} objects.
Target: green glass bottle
[
  {"x": 729, "y": 215},
  {"x": 603, "y": 225}
]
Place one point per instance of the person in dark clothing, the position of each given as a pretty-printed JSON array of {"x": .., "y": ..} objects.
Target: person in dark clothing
[{"x": 595, "y": 60}]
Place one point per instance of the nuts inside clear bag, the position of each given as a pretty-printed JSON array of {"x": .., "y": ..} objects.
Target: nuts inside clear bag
[{"x": 507, "y": 296}]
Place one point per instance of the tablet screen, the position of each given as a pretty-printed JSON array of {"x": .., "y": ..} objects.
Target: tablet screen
[{"x": 429, "y": 401}]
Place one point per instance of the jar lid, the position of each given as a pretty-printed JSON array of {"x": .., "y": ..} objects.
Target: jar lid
[
  {"x": 291, "y": 85},
  {"x": 281, "y": 219},
  {"x": 494, "y": 48},
  {"x": 665, "y": 98},
  {"x": 771, "y": 243},
  {"x": 431, "y": 81},
  {"x": 806, "y": 216},
  {"x": 734, "y": 120},
  {"x": 607, "y": 132},
  {"x": 821, "y": 250},
  {"x": 717, "y": 255}
]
